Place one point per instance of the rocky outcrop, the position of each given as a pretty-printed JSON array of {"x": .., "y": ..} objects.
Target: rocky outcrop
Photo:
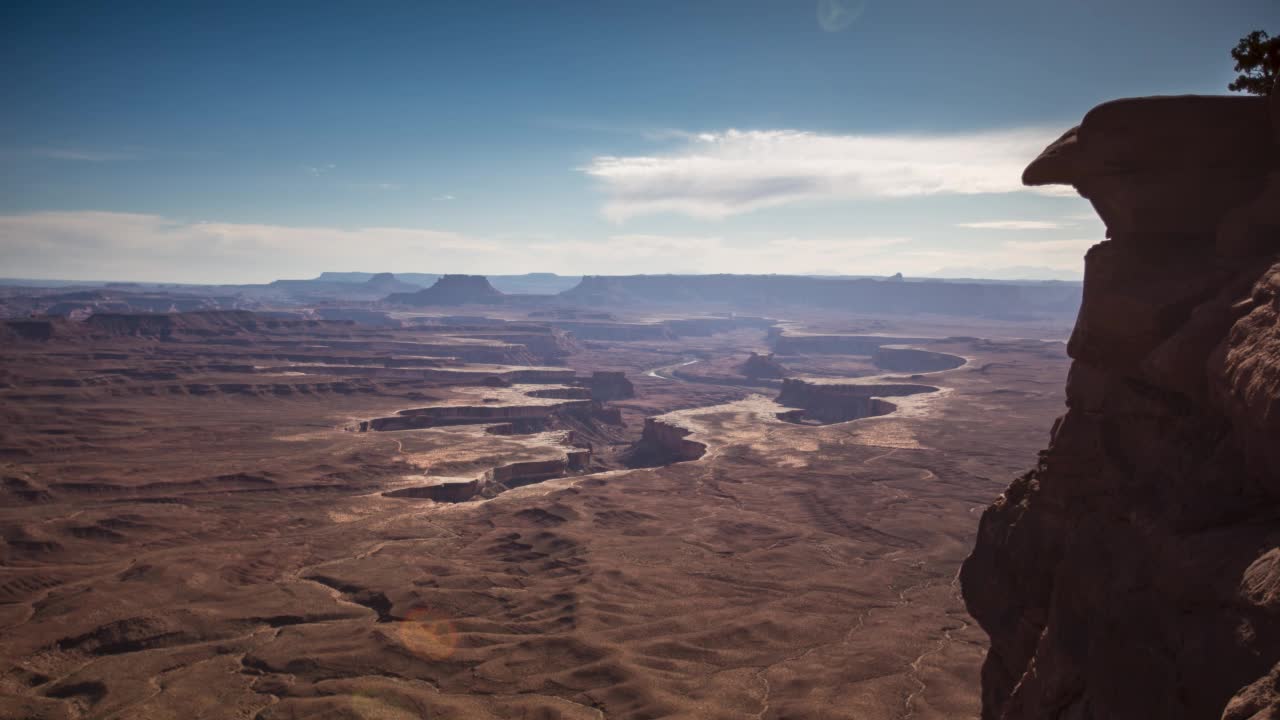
[
  {"x": 607, "y": 385},
  {"x": 663, "y": 443},
  {"x": 1135, "y": 572},
  {"x": 826, "y": 403},
  {"x": 762, "y": 366},
  {"x": 452, "y": 290}
]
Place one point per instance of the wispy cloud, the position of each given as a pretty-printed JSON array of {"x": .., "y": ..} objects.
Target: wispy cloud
[
  {"x": 714, "y": 175},
  {"x": 317, "y": 170},
  {"x": 1013, "y": 225},
  {"x": 837, "y": 15},
  {"x": 111, "y": 245},
  {"x": 382, "y": 186},
  {"x": 445, "y": 197},
  {"x": 83, "y": 155}
]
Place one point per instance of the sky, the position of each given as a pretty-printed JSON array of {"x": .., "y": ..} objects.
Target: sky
[{"x": 237, "y": 142}]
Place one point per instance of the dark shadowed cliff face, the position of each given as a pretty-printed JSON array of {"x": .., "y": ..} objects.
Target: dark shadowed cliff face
[{"x": 1135, "y": 573}]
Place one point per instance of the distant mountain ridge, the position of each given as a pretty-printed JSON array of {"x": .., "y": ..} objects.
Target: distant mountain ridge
[
  {"x": 762, "y": 292},
  {"x": 538, "y": 283}
]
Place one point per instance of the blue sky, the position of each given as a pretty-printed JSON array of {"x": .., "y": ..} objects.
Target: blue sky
[{"x": 235, "y": 142}]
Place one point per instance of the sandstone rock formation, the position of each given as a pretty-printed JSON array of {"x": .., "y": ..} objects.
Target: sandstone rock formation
[
  {"x": 1135, "y": 573},
  {"x": 762, "y": 366}
]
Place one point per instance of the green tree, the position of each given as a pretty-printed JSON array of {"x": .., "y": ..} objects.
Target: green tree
[{"x": 1257, "y": 58}]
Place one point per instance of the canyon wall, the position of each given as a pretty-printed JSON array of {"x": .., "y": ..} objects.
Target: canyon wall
[
  {"x": 662, "y": 443},
  {"x": 1135, "y": 572}
]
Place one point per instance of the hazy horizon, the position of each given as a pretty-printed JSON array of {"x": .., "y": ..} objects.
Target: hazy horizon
[{"x": 1002, "y": 275}]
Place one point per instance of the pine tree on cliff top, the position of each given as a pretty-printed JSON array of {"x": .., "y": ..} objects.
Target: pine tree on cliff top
[{"x": 1257, "y": 58}]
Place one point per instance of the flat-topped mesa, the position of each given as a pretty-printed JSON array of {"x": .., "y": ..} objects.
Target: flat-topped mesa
[
  {"x": 821, "y": 403},
  {"x": 762, "y": 366},
  {"x": 453, "y": 290},
  {"x": 914, "y": 360},
  {"x": 609, "y": 385},
  {"x": 1136, "y": 571}
]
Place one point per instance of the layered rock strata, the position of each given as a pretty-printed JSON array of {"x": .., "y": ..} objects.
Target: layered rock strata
[{"x": 1135, "y": 572}]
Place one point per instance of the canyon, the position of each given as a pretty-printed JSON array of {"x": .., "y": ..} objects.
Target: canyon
[{"x": 501, "y": 510}]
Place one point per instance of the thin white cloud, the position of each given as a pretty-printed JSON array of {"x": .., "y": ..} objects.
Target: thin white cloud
[
  {"x": 80, "y": 155},
  {"x": 837, "y": 15},
  {"x": 1013, "y": 225},
  {"x": 134, "y": 246},
  {"x": 381, "y": 186},
  {"x": 445, "y": 197},
  {"x": 714, "y": 175},
  {"x": 320, "y": 169}
]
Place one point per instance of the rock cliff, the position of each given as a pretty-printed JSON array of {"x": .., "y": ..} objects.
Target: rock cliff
[{"x": 1135, "y": 572}]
